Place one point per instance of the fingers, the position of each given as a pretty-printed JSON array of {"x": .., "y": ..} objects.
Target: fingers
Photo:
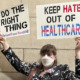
[
  {"x": 78, "y": 41},
  {"x": 1, "y": 36},
  {"x": 77, "y": 38},
  {"x": 77, "y": 46}
]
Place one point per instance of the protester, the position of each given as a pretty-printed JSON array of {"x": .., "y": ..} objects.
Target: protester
[{"x": 48, "y": 68}]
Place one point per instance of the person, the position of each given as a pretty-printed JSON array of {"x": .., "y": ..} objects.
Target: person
[{"x": 47, "y": 69}]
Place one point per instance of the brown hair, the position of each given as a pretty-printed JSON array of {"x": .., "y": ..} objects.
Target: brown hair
[{"x": 48, "y": 49}]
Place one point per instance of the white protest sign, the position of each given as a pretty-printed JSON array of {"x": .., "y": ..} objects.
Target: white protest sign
[
  {"x": 56, "y": 21},
  {"x": 15, "y": 21}
]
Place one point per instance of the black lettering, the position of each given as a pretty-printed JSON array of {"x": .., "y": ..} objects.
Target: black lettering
[
  {"x": 6, "y": 28},
  {"x": 59, "y": 17},
  {"x": 67, "y": 18},
  {"x": 12, "y": 28},
  {"x": 54, "y": 9},
  {"x": 48, "y": 19},
  {"x": 24, "y": 24},
  {"x": 72, "y": 17},
  {"x": 22, "y": 8},
  {"x": 45, "y": 10},
  {"x": 18, "y": 9},
  {"x": 16, "y": 26},
  {"x": 9, "y": 20},
  {"x": 2, "y": 13},
  {"x": 50, "y": 10},
  {"x": 5, "y": 13},
  {"x": 54, "y": 19},
  {"x": 2, "y": 22},
  {"x": 58, "y": 8}
]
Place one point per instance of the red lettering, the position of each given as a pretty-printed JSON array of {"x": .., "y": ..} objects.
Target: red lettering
[
  {"x": 64, "y": 29},
  {"x": 47, "y": 30},
  {"x": 74, "y": 5},
  {"x": 73, "y": 29},
  {"x": 43, "y": 31},
  {"x": 70, "y": 8},
  {"x": 78, "y": 8},
  {"x": 64, "y": 8},
  {"x": 51, "y": 30},
  {"x": 77, "y": 29}
]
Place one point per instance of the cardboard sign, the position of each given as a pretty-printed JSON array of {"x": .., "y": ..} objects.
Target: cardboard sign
[
  {"x": 60, "y": 20},
  {"x": 14, "y": 21}
]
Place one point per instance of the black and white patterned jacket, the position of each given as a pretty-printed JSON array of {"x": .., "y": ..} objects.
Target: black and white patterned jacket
[{"x": 59, "y": 72}]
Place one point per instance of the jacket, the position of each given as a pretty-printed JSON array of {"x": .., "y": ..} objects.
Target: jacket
[{"x": 59, "y": 72}]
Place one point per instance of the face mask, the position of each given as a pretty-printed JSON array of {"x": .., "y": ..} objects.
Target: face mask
[{"x": 47, "y": 61}]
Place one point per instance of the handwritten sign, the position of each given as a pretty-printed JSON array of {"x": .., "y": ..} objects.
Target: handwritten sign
[
  {"x": 14, "y": 21},
  {"x": 60, "y": 20}
]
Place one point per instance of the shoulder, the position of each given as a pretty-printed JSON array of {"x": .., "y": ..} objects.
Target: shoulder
[
  {"x": 35, "y": 64},
  {"x": 63, "y": 67}
]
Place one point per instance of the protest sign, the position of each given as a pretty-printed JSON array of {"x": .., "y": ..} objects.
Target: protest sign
[
  {"x": 55, "y": 21},
  {"x": 14, "y": 21}
]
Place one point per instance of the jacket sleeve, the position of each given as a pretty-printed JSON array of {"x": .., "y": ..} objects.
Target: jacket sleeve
[
  {"x": 77, "y": 68},
  {"x": 71, "y": 75},
  {"x": 19, "y": 65}
]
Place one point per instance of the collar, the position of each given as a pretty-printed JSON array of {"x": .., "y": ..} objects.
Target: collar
[{"x": 51, "y": 70}]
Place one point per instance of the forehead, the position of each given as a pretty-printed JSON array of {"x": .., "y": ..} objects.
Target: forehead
[{"x": 47, "y": 53}]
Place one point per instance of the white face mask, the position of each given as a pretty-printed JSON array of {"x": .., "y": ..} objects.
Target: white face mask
[{"x": 47, "y": 61}]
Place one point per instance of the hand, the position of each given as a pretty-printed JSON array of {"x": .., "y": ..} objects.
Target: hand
[
  {"x": 78, "y": 41},
  {"x": 77, "y": 48},
  {"x": 4, "y": 42}
]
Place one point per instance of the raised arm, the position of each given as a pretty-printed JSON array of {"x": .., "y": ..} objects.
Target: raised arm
[
  {"x": 69, "y": 74},
  {"x": 4, "y": 42},
  {"x": 19, "y": 65},
  {"x": 77, "y": 53}
]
